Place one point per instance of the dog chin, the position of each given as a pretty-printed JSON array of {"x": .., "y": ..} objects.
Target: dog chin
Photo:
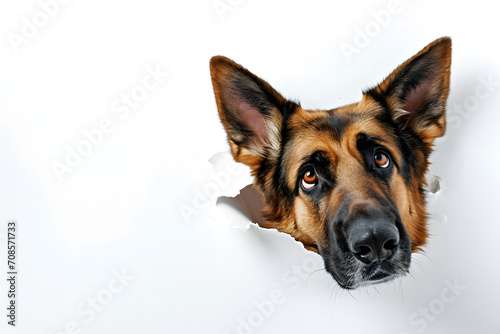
[
  {"x": 368, "y": 275},
  {"x": 364, "y": 281},
  {"x": 379, "y": 277}
]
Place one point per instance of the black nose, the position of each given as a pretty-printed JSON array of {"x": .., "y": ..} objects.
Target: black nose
[{"x": 372, "y": 240}]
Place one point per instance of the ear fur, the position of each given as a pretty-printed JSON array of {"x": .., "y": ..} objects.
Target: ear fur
[
  {"x": 416, "y": 92},
  {"x": 251, "y": 111}
]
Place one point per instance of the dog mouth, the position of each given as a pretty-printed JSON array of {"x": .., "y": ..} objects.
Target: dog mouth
[
  {"x": 363, "y": 275},
  {"x": 380, "y": 273}
]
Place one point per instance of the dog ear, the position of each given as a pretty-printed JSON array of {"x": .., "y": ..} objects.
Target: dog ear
[
  {"x": 250, "y": 110},
  {"x": 416, "y": 92}
]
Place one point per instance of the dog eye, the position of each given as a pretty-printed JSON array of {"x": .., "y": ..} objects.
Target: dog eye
[
  {"x": 382, "y": 160},
  {"x": 309, "y": 179}
]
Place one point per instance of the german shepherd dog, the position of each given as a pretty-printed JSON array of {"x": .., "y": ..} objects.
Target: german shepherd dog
[{"x": 347, "y": 182}]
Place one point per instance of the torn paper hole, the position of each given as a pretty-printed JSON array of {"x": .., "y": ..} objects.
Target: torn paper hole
[
  {"x": 229, "y": 175},
  {"x": 236, "y": 198},
  {"x": 244, "y": 208},
  {"x": 434, "y": 183},
  {"x": 221, "y": 177}
]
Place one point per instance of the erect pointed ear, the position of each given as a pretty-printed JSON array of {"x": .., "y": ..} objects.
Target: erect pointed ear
[
  {"x": 250, "y": 109},
  {"x": 416, "y": 92}
]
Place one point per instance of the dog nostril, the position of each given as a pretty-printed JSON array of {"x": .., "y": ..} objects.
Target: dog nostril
[
  {"x": 364, "y": 250},
  {"x": 389, "y": 248},
  {"x": 390, "y": 244},
  {"x": 365, "y": 254}
]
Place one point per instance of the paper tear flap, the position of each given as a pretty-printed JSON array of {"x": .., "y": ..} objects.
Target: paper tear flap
[{"x": 243, "y": 208}]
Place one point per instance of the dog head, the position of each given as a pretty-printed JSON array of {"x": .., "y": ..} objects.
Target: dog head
[{"x": 347, "y": 182}]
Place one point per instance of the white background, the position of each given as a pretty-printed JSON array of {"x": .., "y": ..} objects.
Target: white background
[{"x": 134, "y": 206}]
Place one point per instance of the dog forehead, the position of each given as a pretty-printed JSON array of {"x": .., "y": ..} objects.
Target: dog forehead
[
  {"x": 308, "y": 128},
  {"x": 335, "y": 133}
]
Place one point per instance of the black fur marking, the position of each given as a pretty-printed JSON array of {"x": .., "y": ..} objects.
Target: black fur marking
[
  {"x": 338, "y": 125},
  {"x": 334, "y": 124},
  {"x": 368, "y": 146},
  {"x": 405, "y": 140},
  {"x": 254, "y": 91},
  {"x": 326, "y": 181}
]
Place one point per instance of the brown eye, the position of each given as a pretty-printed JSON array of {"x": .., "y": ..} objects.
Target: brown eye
[
  {"x": 382, "y": 160},
  {"x": 309, "y": 179}
]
